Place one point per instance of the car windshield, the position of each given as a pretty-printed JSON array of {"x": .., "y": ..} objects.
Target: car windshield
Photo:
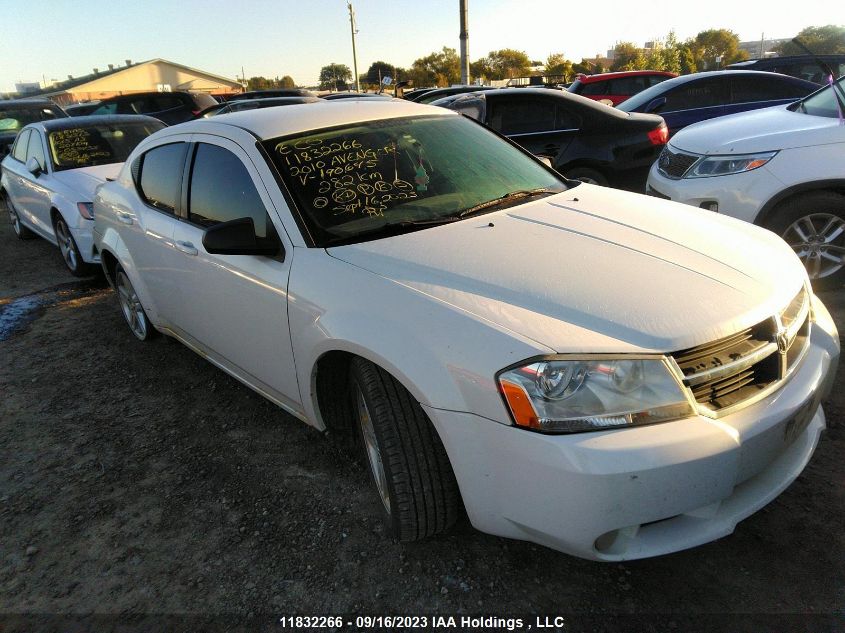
[
  {"x": 13, "y": 119},
  {"x": 97, "y": 144},
  {"x": 379, "y": 178},
  {"x": 823, "y": 102}
]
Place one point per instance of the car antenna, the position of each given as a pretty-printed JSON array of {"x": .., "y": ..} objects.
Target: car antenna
[{"x": 831, "y": 76}]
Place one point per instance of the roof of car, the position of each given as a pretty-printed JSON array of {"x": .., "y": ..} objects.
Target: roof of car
[
  {"x": 267, "y": 123},
  {"x": 734, "y": 73},
  {"x": 527, "y": 93},
  {"x": 586, "y": 79},
  {"x": 87, "y": 121},
  {"x": 32, "y": 101}
]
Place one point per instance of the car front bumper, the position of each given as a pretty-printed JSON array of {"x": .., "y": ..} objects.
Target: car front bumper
[
  {"x": 83, "y": 235},
  {"x": 738, "y": 195},
  {"x": 646, "y": 491}
]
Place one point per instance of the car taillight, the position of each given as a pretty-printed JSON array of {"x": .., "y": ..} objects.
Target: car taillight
[{"x": 659, "y": 135}]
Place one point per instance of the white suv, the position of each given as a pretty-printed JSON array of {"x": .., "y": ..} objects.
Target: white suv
[
  {"x": 566, "y": 361},
  {"x": 781, "y": 167}
]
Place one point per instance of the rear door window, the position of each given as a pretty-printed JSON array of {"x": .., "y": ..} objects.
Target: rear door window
[
  {"x": 755, "y": 88},
  {"x": 161, "y": 176},
  {"x": 594, "y": 88},
  {"x": 523, "y": 116},
  {"x": 221, "y": 190}
]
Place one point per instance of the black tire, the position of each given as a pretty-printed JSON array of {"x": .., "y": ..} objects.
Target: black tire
[
  {"x": 20, "y": 230},
  {"x": 131, "y": 308},
  {"x": 585, "y": 174},
  {"x": 820, "y": 217},
  {"x": 71, "y": 256},
  {"x": 420, "y": 496}
]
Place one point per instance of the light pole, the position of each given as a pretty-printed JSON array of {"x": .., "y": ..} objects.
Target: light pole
[
  {"x": 354, "y": 54},
  {"x": 464, "y": 35}
]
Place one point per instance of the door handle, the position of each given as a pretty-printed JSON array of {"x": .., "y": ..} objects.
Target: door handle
[
  {"x": 126, "y": 218},
  {"x": 186, "y": 247}
]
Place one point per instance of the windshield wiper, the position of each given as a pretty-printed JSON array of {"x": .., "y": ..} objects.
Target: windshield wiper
[{"x": 508, "y": 197}]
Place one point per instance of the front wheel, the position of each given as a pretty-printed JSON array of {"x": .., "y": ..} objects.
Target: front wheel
[
  {"x": 814, "y": 226},
  {"x": 70, "y": 251},
  {"x": 131, "y": 308},
  {"x": 407, "y": 461}
]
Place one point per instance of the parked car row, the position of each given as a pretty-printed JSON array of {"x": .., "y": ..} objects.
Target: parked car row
[{"x": 401, "y": 274}]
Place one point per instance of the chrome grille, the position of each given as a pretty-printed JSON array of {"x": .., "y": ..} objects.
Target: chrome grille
[
  {"x": 675, "y": 164},
  {"x": 732, "y": 370}
]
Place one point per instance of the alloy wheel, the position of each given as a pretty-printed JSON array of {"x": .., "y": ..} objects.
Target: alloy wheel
[
  {"x": 819, "y": 241},
  {"x": 131, "y": 307},
  {"x": 368, "y": 433},
  {"x": 66, "y": 245}
]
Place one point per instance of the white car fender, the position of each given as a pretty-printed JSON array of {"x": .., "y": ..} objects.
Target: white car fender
[{"x": 441, "y": 363}]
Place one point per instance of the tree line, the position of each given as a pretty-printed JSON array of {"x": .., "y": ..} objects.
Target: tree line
[{"x": 708, "y": 50}]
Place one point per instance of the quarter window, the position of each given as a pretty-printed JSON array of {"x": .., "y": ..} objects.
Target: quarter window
[
  {"x": 222, "y": 190},
  {"x": 19, "y": 153},
  {"x": 161, "y": 176}
]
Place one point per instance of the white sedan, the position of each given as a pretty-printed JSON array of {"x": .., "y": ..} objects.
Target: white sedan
[
  {"x": 607, "y": 374},
  {"x": 49, "y": 177}
]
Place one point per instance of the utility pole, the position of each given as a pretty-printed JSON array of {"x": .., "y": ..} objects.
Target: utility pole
[
  {"x": 464, "y": 43},
  {"x": 762, "y": 39},
  {"x": 354, "y": 54}
]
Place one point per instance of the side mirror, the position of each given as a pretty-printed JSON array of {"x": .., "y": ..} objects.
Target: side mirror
[
  {"x": 237, "y": 237},
  {"x": 34, "y": 167},
  {"x": 655, "y": 105}
]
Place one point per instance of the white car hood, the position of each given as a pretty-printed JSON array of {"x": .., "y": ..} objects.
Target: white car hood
[
  {"x": 765, "y": 130},
  {"x": 84, "y": 180},
  {"x": 595, "y": 269}
]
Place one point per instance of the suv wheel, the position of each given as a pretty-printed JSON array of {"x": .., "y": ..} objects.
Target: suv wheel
[
  {"x": 407, "y": 461},
  {"x": 814, "y": 226}
]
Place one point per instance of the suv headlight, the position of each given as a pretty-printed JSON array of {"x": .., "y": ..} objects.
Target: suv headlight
[
  {"x": 725, "y": 165},
  {"x": 560, "y": 395}
]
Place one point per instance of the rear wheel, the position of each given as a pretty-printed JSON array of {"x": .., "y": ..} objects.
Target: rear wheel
[
  {"x": 131, "y": 308},
  {"x": 814, "y": 226},
  {"x": 585, "y": 174},
  {"x": 20, "y": 230},
  {"x": 406, "y": 459}
]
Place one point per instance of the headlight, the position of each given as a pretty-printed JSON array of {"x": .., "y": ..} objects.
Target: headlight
[
  {"x": 86, "y": 210},
  {"x": 724, "y": 165},
  {"x": 568, "y": 396}
]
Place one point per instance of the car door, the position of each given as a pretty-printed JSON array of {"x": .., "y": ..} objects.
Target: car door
[
  {"x": 234, "y": 307},
  {"x": 536, "y": 123},
  {"x": 37, "y": 189},
  {"x": 694, "y": 101},
  {"x": 147, "y": 226}
]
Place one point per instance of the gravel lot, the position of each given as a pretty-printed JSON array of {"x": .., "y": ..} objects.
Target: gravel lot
[{"x": 137, "y": 479}]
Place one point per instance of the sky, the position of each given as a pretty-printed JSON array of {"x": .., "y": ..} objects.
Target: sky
[{"x": 52, "y": 39}]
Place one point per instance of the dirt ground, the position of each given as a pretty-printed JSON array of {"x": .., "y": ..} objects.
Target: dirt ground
[{"x": 139, "y": 480}]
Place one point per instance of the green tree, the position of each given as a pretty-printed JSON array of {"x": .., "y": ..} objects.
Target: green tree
[
  {"x": 259, "y": 83},
  {"x": 627, "y": 56},
  {"x": 686, "y": 56},
  {"x": 557, "y": 64},
  {"x": 378, "y": 71},
  {"x": 713, "y": 43},
  {"x": 479, "y": 69},
  {"x": 335, "y": 76},
  {"x": 287, "y": 82},
  {"x": 822, "y": 40},
  {"x": 508, "y": 63},
  {"x": 437, "y": 69}
]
